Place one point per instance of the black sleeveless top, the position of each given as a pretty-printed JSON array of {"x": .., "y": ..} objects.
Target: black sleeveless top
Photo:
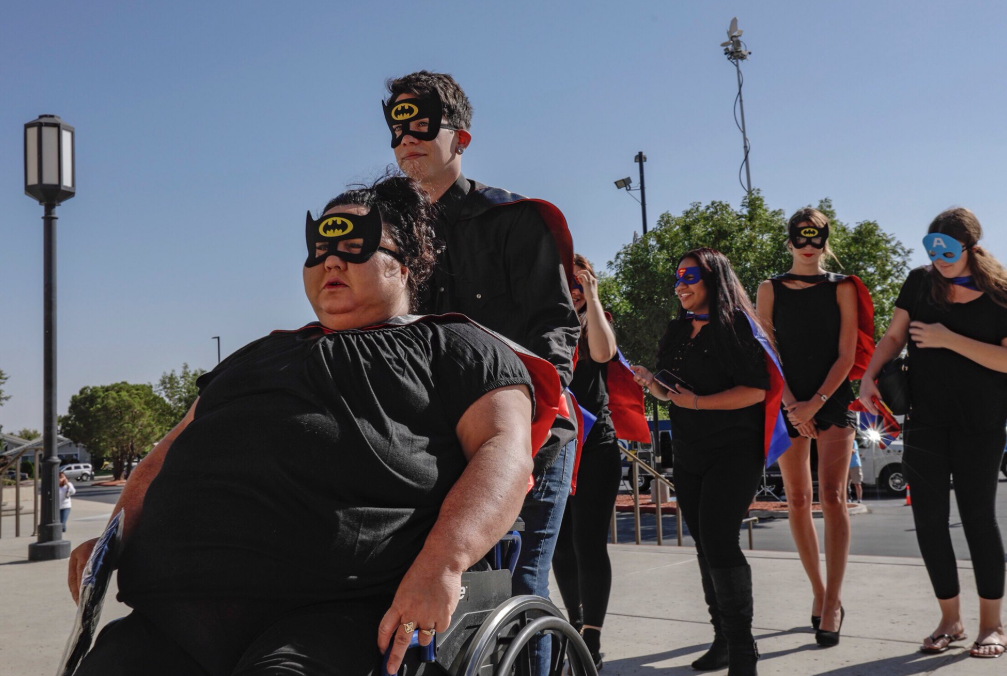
[{"x": 807, "y": 325}]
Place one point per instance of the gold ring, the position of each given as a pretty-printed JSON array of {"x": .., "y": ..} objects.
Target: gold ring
[
  {"x": 408, "y": 627},
  {"x": 427, "y": 632}
]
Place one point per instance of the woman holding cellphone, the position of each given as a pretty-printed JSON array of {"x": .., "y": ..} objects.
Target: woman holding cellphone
[
  {"x": 953, "y": 314},
  {"x": 716, "y": 382}
]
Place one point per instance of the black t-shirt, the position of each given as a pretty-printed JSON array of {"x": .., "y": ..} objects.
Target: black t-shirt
[
  {"x": 589, "y": 387},
  {"x": 315, "y": 465},
  {"x": 708, "y": 369},
  {"x": 947, "y": 389}
]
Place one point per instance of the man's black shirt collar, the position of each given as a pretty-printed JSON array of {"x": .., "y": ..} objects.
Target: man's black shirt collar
[{"x": 451, "y": 201}]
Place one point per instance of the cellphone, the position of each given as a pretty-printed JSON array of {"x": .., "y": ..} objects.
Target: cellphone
[{"x": 671, "y": 381}]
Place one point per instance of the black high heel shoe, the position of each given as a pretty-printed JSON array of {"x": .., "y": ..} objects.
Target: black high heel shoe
[
  {"x": 815, "y": 621},
  {"x": 827, "y": 639}
]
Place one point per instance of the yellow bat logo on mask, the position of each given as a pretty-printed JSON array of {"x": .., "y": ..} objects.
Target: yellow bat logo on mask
[
  {"x": 404, "y": 111},
  {"x": 337, "y": 226},
  {"x": 809, "y": 232}
]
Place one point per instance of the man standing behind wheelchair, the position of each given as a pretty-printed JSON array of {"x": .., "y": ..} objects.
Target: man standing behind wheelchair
[{"x": 275, "y": 565}]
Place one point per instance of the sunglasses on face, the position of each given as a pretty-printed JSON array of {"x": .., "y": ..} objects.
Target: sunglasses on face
[
  {"x": 577, "y": 287},
  {"x": 690, "y": 275}
]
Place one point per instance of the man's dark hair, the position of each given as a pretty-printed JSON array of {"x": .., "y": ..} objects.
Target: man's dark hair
[
  {"x": 457, "y": 109},
  {"x": 407, "y": 216}
]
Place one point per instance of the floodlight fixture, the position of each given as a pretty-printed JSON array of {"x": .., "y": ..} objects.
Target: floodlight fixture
[{"x": 624, "y": 183}]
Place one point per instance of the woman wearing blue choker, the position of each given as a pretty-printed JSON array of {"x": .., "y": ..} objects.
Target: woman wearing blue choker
[{"x": 953, "y": 314}]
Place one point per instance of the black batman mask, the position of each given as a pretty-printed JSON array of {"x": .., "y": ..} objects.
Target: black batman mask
[
  {"x": 330, "y": 231},
  {"x": 805, "y": 234},
  {"x": 419, "y": 118}
]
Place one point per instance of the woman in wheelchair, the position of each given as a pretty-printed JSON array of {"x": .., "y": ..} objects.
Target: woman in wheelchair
[{"x": 330, "y": 485}]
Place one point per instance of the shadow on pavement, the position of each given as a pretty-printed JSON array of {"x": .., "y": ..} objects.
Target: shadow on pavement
[{"x": 901, "y": 665}]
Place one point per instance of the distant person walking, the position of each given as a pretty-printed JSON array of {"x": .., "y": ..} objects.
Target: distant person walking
[
  {"x": 857, "y": 473},
  {"x": 66, "y": 490},
  {"x": 953, "y": 314},
  {"x": 816, "y": 318}
]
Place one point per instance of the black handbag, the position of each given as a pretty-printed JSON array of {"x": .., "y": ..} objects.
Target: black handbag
[
  {"x": 893, "y": 378},
  {"x": 893, "y": 385}
]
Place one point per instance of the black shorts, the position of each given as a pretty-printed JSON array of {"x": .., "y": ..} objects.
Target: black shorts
[{"x": 834, "y": 413}]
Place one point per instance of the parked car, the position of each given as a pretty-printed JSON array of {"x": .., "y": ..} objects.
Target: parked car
[
  {"x": 78, "y": 471},
  {"x": 10, "y": 474}
]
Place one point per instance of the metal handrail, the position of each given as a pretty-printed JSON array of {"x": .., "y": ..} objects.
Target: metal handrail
[{"x": 637, "y": 463}]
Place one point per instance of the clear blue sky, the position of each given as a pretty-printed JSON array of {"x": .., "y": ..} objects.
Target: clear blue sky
[{"x": 206, "y": 129}]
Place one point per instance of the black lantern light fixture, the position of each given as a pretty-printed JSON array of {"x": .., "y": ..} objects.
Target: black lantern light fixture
[{"x": 50, "y": 178}]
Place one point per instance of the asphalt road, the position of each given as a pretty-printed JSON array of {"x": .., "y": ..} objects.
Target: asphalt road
[{"x": 887, "y": 530}]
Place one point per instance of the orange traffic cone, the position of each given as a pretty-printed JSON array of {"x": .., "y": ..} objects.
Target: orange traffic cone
[{"x": 909, "y": 500}]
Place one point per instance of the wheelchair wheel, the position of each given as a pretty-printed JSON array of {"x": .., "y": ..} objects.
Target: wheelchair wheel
[{"x": 500, "y": 647}]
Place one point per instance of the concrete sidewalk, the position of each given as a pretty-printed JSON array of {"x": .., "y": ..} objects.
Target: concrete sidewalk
[{"x": 657, "y": 620}]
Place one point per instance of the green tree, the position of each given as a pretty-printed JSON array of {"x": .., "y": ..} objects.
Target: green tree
[
  {"x": 639, "y": 287},
  {"x": 118, "y": 422},
  {"x": 28, "y": 434},
  {"x": 3, "y": 379},
  {"x": 179, "y": 391}
]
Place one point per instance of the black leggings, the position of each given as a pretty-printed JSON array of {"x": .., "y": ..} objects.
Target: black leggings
[
  {"x": 715, "y": 496},
  {"x": 329, "y": 639},
  {"x": 931, "y": 458},
  {"x": 581, "y": 564}
]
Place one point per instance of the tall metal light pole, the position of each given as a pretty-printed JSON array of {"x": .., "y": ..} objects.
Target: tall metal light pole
[
  {"x": 735, "y": 51},
  {"x": 49, "y": 178},
  {"x": 217, "y": 338},
  {"x": 627, "y": 183}
]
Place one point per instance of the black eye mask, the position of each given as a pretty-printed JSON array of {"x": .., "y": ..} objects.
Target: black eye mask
[
  {"x": 805, "y": 234},
  {"x": 334, "y": 228},
  {"x": 403, "y": 113}
]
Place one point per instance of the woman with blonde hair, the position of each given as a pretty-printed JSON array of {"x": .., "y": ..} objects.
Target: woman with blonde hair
[{"x": 818, "y": 320}]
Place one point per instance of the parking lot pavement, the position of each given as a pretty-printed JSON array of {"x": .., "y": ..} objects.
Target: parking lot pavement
[
  {"x": 887, "y": 529},
  {"x": 656, "y": 625}
]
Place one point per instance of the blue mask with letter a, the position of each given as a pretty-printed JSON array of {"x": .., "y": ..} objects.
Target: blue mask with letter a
[{"x": 940, "y": 246}]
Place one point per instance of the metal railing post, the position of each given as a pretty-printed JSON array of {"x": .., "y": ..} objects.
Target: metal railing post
[{"x": 635, "y": 477}]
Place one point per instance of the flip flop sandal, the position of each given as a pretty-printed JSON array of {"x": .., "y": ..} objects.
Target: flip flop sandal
[
  {"x": 975, "y": 645},
  {"x": 934, "y": 650}
]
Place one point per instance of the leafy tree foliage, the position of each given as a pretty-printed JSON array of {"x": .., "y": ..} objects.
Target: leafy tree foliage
[
  {"x": 639, "y": 288},
  {"x": 179, "y": 391},
  {"x": 28, "y": 434},
  {"x": 118, "y": 422},
  {"x": 3, "y": 379}
]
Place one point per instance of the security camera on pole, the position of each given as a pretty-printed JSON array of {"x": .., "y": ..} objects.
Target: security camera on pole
[
  {"x": 49, "y": 178},
  {"x": 736, "y": 51}
]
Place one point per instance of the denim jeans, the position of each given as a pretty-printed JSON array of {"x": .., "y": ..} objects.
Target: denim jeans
[
  {"x": 543, "y": 514},
  {"x": 64, "y": 514}
]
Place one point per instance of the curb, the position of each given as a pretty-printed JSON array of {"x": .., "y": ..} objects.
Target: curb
[{"x": 766, "y": 514}]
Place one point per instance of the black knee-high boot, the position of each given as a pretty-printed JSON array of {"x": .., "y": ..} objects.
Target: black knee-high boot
[
  {"x": 716, "y": 656},
  {"x": 734, "y": 597}
]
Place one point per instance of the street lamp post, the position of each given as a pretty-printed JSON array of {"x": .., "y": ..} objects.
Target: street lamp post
[
  {"x": 627, "y": 185},
  {"x": 217, "y": 338},
  {"x": 49, "y": 177}
]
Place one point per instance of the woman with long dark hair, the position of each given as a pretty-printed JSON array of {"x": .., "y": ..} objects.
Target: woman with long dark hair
[
  {"x": 953, "y": 314},
  {"x": 715, "y": 376},
  {"x": 581, "y": 563},
  {"x": 814, "y": 317}
]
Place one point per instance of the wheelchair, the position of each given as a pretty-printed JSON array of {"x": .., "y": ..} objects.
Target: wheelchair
[
  {"x": 489, "y": 635},
  {"x": 491, "y": 631}
]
